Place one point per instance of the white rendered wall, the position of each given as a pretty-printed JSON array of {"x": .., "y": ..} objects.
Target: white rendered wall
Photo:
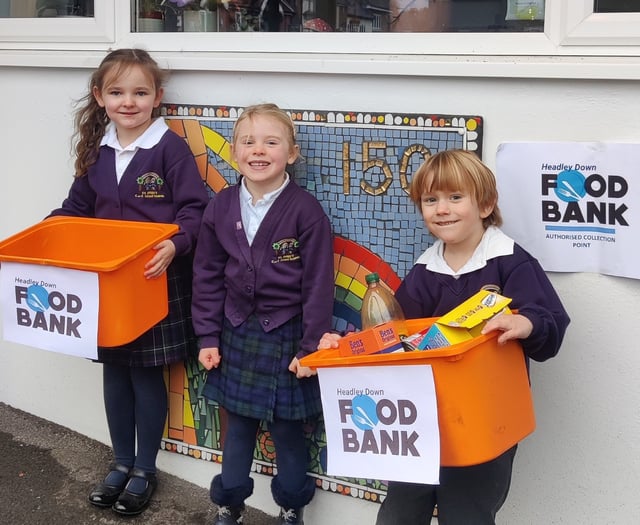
[{"x": 582, "y": 465}]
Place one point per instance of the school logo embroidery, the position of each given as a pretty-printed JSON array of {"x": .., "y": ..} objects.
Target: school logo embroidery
[
  {"x": 286, "y": 250},
  {"x": 150, "y": 186}
]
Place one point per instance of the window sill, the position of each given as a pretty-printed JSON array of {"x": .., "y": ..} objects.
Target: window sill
[{"x": 552, "y": 67}]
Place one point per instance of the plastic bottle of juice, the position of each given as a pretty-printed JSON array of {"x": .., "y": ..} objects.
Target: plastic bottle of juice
[{"x": 380, "y": 306}]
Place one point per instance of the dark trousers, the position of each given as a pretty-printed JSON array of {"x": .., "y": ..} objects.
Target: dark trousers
[
  {"x": 291, "y": 488},
  {"x": 465, "y": 496},
  {"x": 135, "y": 400}
]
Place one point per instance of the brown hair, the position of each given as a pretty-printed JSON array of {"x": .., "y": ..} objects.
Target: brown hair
[
  {"x": 457, "y": 170},
  {"x": 90, "y": 119},
  {"x": 268, "y": 110}
]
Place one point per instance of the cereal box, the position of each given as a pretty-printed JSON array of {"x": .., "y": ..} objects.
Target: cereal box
[
  {"x": 384, "y": 338},
  {"x": 460, "y": 324}
]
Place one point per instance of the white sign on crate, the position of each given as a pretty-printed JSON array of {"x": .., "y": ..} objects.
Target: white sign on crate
[
  {"x": 381, "y": 422},
  {"x": 50, "y": 308}
]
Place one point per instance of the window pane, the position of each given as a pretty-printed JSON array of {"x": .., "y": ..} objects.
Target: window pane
[
  {"x": 616, "y": 6},
  {"x": 45, "y": 8},
  {"x": 353, "y": 16}
]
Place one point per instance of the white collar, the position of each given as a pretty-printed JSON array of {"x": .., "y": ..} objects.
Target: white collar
[
  {"x": 494, "y": 243},
  {"x": 267, "y": 198},
  {"x": 147, "y": 140}
]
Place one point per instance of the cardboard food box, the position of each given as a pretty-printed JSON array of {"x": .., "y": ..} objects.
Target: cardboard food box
[
  {"x": 460, "y": 324},
  {"x": 384, "y": 339}
]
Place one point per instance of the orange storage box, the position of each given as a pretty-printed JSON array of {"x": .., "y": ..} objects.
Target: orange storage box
[
  {"x": 129, "y": 304},
  {"x": 482, "y": 390}
]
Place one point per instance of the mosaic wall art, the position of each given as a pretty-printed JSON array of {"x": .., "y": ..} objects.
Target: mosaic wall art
[{"x": 359, "y": 166}]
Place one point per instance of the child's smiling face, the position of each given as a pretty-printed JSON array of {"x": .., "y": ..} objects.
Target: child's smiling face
[
  {"x": 129, "y": 100},
  {"x": 454, "y": 217},
  {"x": 262, "y": 150}
]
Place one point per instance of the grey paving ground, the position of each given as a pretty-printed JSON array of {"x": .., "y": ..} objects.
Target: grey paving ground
[{"x": 47, "y": 471}]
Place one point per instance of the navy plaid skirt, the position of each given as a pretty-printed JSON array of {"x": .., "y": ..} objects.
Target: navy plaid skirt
[
  {"x": 253, "y": 379},
  {"x": 172, "y": 339}
]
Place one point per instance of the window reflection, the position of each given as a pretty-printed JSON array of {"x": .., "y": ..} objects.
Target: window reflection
[
  {"x": 616, "y": 6},
  {"x": 45, "y": 8},
  {"x": 352, "y": 16}
]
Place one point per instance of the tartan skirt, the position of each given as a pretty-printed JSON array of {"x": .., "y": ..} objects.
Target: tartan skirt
[
  {"x": 172, "y": 339},
  {"x": 253, "y": 378}
]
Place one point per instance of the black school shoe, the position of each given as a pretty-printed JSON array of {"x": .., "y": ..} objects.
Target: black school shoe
[
  {"x": 106, "y": 494},
  {"x": 290, "y": 517},
  {"x": 131, "y": 503},
  {"x": 229, "y": 515}
]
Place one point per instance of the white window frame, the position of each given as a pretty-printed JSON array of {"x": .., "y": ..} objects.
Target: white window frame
[
  {"x": 576, "y": 43},
  {"x": 33, "y": 32},
  {"x": 574, "y": 23}
]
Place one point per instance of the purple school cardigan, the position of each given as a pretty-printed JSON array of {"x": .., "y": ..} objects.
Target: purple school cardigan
[
  {"x": 287, "y": 271},
  {"x": 161, "y": 184}
]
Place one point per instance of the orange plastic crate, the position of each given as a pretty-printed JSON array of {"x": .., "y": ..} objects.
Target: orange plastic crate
[
  {"x": 482, "y": 389},
  {"x": 129, "y": 304}
]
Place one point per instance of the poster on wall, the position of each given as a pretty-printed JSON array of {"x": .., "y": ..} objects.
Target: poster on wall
[
  {"x": 573, "y": 205},
  {"x": 381, "y": 425},
  {"x": 50, "y": 308}
]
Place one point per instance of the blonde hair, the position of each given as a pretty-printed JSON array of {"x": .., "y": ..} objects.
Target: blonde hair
[
  {"x": 90, "y": 119},
  {"x": 458, "y": 170},
  {"x": 268, "y": 110}
]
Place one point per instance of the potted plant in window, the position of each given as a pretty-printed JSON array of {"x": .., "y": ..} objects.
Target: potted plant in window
[
  {"x": 197, "y": 15},
  {"x": 149, "y": 16}
]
